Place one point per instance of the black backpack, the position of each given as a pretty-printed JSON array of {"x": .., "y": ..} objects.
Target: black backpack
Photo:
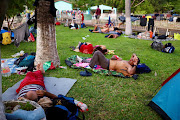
[
  {"x": 168, "y": 48},
  {"x": 63, "y": 108},
  {"x": 142, "y": 68}
]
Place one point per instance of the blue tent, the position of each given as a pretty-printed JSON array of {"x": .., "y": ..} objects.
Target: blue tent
[{"x": 167, "y": 100}]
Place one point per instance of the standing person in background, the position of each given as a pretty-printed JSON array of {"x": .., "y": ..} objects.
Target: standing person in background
[
  {"x": 82, "y": 18},
  {"x": 97, "y": 14}
]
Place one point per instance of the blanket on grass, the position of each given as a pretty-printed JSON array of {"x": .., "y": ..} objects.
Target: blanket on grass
[
  {"x": 73, "y": 63},
  {"x": 11, "y": 64},
  {"x": 53, "y": 85},
  {"x": 155, "y": 39}
]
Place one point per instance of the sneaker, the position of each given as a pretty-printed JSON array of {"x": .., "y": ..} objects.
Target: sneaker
[
  {"x": 90, "y": 30},
  {"x": 85, "y": 73}
]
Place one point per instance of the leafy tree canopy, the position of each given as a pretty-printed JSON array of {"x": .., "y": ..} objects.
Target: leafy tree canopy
[
  {"x": 17, "y": 6},
  {"x": 146, "y": 6}
]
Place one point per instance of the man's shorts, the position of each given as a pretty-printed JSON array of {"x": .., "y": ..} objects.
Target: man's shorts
[
  {"x": 98, "y": 29},
  {"x": 97, "y": 16}
]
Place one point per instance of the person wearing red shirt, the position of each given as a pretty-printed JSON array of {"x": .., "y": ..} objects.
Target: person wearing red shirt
[
  {"x": 82, "y": 18},
  {"x": 32, "y": 87},
  {"x": 97, "y": 14}
]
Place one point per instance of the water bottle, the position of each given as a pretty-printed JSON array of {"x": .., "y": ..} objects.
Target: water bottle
[
  {"x": 83, "y": 106},
  {"x": 5, "y": 70}
]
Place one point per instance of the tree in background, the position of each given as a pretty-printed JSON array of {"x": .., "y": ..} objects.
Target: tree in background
[
  {"x": 16, "y": 7},
  {"x": 176, "y": 6},
  {"x": 128, "y": 29},
  {"x": 138, "y": 6},
  {"x": 144, "y": 8}
]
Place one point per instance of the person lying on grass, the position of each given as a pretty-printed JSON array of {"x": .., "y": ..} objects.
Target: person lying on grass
[
  {"x": 106, "y": 29},
  {"x": 116, "y": 34},
  {"x": 98, "y": 29},
  {"x": 88, "y": 48},
  {"x": 32, "y": 87},
  {"x": 127, "y": 68}
]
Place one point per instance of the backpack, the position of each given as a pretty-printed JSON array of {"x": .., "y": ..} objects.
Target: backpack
[
  {"x": 168, "y": 48},
  {"x": 63, "y": 108},
  {"x": 142, "y": 68},
  {"x": 83, "y": 25},
  {"x": 27, "y": 61},
  {"x": 20, "y": 59},
  {"x": 162, "y": 37},
  {"x": 6, "y": 38},
  {"x": 157, "y": 46},
  {"x": 76, "y": 25}
]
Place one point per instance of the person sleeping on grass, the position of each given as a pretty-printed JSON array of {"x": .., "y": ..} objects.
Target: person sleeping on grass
[
  {"x": 88, "y": 48},
  {"x": 32, "y": 87},
  {"x": 127, "y": 68}
]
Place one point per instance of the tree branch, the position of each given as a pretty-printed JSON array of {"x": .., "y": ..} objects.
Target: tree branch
[
  {"x": 139, "y": 3},
  {"x": 133, "y": 2}
]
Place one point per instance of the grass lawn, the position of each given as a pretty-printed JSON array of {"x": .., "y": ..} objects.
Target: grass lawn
[{"x": 108, "y": 97}]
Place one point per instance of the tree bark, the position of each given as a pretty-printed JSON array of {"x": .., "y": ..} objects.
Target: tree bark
[
  {"x": 2, "y": 116},
  {"x": 46, "y": 47},
  {"x": 3, "y": 8},
  {"x": 128, "y": 30}
]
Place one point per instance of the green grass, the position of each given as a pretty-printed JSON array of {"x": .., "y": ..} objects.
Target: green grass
[{"x": 108, "y": 97}]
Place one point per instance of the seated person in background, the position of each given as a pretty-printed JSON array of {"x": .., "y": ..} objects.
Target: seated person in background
[
  {"x": 32, "y": 87},
  {"x": 127, "y": 68},
  {"x": 73, "y": 25}
]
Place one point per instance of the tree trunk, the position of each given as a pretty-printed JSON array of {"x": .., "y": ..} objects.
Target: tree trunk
[
  {"x": 3, "y": 8},
  {"x": 2, "y": 116},
  {"x": 46, "y": 48},
  {"x": 128, "y": 30}
]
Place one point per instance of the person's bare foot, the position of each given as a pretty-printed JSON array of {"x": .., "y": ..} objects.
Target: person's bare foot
[
  {"x": 41, "y": 68},
  {"x": 38, "y": 67}
]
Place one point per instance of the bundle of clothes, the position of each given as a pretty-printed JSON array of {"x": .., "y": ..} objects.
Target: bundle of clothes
[
  {"x": 149, "y": 35},
  {"x": 25, "y": 62},
  {"x": 167, "y": 48}
]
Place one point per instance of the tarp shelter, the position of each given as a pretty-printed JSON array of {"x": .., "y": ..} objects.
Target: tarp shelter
[
  {"x": 167, "y": 100},
  {"x": 62, "y": 5},
  {"x": 103, "y": 7},
  {"x": 123, "y": 19}
]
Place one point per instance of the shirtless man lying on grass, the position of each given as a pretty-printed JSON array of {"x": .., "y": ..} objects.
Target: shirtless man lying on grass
[
  {"x": 106, "y": 28},
  {"x": 127, "y": 68}
]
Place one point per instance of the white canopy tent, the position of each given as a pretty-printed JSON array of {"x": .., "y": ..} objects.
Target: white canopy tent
[
  {"x": 61, "y": 5},
  {"x": 103, "y": 7}
]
